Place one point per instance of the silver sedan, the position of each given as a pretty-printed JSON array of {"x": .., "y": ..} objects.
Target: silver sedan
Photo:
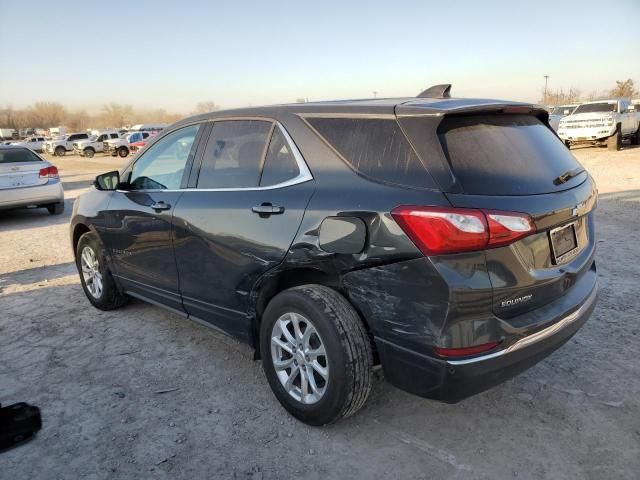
[{"x": 27, "y": 180}]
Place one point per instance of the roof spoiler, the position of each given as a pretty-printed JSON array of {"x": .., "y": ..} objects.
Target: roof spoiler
[{"x": 437, "y": 91}]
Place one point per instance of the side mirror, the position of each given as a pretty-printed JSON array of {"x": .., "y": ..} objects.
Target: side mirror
[{"x": 107, "y": 181}]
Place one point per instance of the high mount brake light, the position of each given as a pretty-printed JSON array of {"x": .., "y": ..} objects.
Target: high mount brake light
[
  {"x": 49, "y": 172},
  {"x": 441, "y": 230}
]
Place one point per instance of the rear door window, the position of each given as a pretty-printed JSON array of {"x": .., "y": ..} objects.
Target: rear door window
[
  {"x": 233, "y": 155},
  {"x": 280, "y": 164},
  {"x": 505, "y": 155},
  {"x": 375, "y": 148}
]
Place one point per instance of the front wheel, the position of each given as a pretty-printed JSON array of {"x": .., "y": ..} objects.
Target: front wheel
[
  {"x": 95, "y": 277},
  {"x": 316, "y": 354},
  {"x": 635, "y": 138},
  {"x": 614, "y": 142}
]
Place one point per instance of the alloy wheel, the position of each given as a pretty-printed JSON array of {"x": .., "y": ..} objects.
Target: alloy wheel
[
  {"x": 91, "y": 272},
  {"x": 299, "y": 358}
]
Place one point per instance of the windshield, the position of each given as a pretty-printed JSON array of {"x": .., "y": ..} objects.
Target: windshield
[{"x": 596, "y": 108}]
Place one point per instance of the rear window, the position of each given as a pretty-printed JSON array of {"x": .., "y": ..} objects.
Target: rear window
[
  {"x": 18, "y": 155},
  {"x": 375, "y": 148},
  {"x": 505, "y": 155}
]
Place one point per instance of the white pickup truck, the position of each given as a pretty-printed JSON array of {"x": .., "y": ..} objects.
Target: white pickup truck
[
  {"x": 601, "y": 122},
  {"x": 32, "y": 143},
  {"x": 121, "y": 146},
  {"x": 95, "y": 143},
  {"x": 61, "y": 145},
  {"x": 558, "y": 113}
]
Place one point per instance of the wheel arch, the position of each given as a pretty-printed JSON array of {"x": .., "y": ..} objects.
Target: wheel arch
[{"x": 79, "y": 230}]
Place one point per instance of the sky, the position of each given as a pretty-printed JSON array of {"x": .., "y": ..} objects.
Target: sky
[{"x": 173, "y": 54}]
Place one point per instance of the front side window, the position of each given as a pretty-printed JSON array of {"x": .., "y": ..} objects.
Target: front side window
[
  {"x": 162, "y": 166},
  {"x": 234, "y": 152}
]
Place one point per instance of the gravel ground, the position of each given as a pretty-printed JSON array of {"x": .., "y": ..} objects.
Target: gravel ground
[{"x": 142, "y": 393}]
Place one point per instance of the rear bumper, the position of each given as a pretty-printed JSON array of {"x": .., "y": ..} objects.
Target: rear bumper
[
  {"x": 454, "y": 380},
  {"x": 49, "y": 193}
]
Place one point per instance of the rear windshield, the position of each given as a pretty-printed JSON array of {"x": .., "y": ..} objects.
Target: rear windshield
[
  {"x": 18, "y": 155},
  {"x": 375, "y": 148},
  {"x": 505, "y": 155}
]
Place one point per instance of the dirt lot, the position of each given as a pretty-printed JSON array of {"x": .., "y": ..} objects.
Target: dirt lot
[{"x": 97, "y": 378}]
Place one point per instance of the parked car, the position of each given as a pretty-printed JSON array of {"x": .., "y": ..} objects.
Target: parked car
[
  {"x": 32, "y": 143},
  {"x": 27, "y": 180},
  {"x": 449, "y": 240},
  {"x": 60, "y": 146},
  {"x": 121, "y": 146},
  {"x": 57, "y": 132},
  {"x": 558, "y": 113},
  {"x": 7, "y": 133},
  {"x": 88, "y": 148},
  {"x": 602, "y": 122}
]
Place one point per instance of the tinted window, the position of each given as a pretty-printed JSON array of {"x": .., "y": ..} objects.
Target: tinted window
[
  {"x": 505, "y": 155},
  {"x": 162, "y": 165},
  {"x": 280, "y": 164},
  {"x": 233, "y": 156},
  {"x": 114, "y": 135},
  {"x": 376, "y": 148},
  {"x": 18, "y": 155},
  {"x": 596, "y": 108}
]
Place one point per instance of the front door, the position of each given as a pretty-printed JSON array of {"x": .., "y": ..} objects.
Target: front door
[
  {"x": 138, "y": 231},
  {"x": 240, "y": 219}
]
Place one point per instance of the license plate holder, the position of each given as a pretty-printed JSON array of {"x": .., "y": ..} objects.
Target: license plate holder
[{"x": 564, "y": 243}]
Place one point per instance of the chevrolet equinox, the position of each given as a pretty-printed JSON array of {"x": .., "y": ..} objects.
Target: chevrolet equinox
[{"x": 450, "y": 241}]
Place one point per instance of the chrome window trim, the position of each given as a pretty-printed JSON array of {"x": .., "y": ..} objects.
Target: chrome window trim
[
  {"x": 535, "y": 337},
  {"x": 303, "y": 176}
]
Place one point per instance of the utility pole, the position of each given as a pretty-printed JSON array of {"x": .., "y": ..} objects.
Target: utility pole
[
  {"x": 375, "y": 94},
  {"x": 546, "y": 81}
]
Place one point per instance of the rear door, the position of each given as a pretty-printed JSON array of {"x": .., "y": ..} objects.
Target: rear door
[
  {"x": 514, "y": 163},
  {"x": 20, "y": 168},
  {"x": 238, "y": 220},
  {"x": 138, "y": 232}
]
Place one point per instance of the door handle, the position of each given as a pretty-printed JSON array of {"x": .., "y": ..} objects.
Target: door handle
[
  {"x": 267, "y": 209},
  {"x": 161, "y": 206}
]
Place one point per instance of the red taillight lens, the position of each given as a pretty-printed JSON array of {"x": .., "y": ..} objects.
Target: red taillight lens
[
  {"x": 441, "y": 230},
  {"x": 49, "y": 172},
  {"x": 467, "y": 351}
]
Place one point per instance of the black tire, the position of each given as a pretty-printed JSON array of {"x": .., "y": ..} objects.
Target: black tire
[
  {"x": 567, "y": 144},
  {"x": 123, "y": 152},
  {"x": 56, "y": 208},
  {"x": 89, "y": 152},
  {"x": 110, "y": 298},
  {"x": 60, "y": 152},
  {"x": 635, "y": 138},
  {"x": 348, "y": 352},
  {"x": 614, "y": 142}
]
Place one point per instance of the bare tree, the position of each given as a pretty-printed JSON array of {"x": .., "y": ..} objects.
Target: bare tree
[
  {"x": 206, "y": 107},
  {"x": 624, "y": 88},
  {"x": 116, "y": 114},
  {"x": 78, "y": 120},
  {"x": 560, "y": 97},
  {"x": 46, "y": 114}
]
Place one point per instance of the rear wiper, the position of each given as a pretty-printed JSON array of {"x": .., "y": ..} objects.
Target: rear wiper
[{"x": 566, "y": 176}]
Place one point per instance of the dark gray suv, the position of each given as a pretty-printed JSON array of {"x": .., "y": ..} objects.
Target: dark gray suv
[{"x": 449, "y": 240}]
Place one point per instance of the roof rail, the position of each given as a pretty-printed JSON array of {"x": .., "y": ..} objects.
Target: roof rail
[{"x": 437, "y": 91}]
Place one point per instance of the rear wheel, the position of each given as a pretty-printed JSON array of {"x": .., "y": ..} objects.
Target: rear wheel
[
  {"x": 635, "y": 138},
  {"x": 567, "y": 144},
  {"x": 316, "y": 354},
  {"x": 56, "y": 208},
  {"x": 89, "y": 152},
  {"x": 614, "y": 142},
  {"x": 123, "y": 152},
  {"x": 60, "y": 151},
  {"x": 95, "y": 277}
]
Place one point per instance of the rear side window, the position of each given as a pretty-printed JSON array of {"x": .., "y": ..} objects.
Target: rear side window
[
  {"x": 17, "y": 156},
  {"x": 375, "y": 148},
  {"x": 280, "y": 164},
  {"x": 234, "y": 152},
  {"x": 505, "y": 155}
]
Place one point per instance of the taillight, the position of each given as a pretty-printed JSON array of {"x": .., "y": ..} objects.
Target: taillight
[
  {"x": 466, "y": 351},
  {"x": 440, "y": 230},
  {"x": 49, "y": 172}
]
